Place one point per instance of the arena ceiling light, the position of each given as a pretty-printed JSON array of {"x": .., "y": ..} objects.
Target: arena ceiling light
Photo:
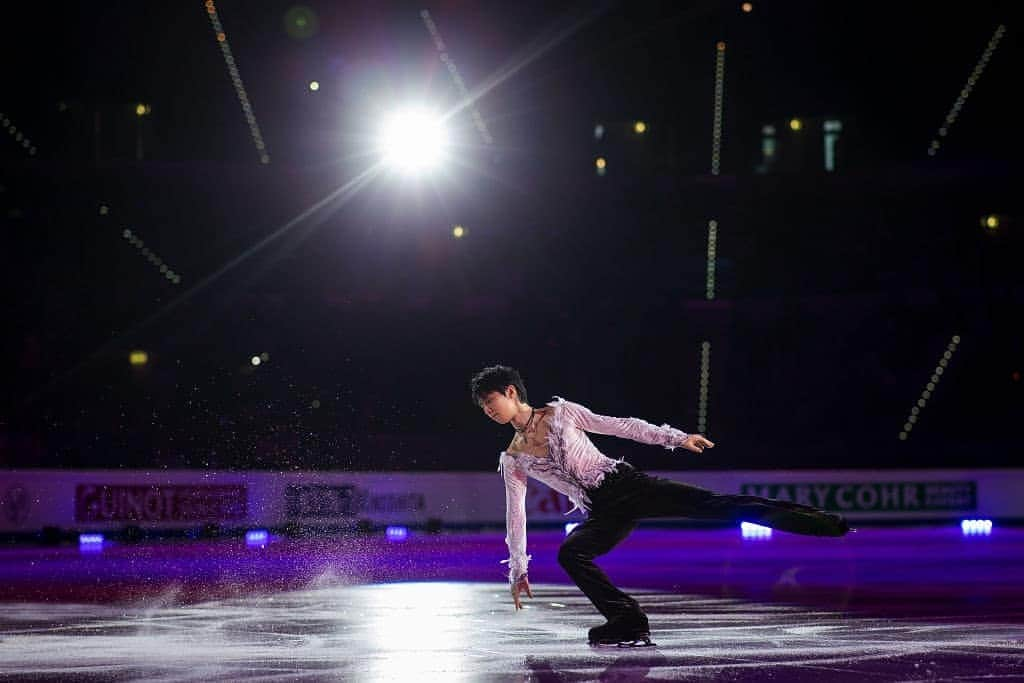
[{"x": 413, "y": 140}]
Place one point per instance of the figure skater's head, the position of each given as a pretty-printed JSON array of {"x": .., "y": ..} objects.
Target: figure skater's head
[{"x": 499, "y": 391}]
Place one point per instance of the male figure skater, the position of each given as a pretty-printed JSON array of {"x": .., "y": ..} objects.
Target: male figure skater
[{"x": 551, "y": 444}]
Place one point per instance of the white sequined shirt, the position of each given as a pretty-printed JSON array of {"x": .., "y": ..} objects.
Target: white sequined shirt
[{"x": 573, "y": 465}]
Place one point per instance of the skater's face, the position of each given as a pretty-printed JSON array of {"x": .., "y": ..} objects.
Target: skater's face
[{"x": 500, "y": 407}]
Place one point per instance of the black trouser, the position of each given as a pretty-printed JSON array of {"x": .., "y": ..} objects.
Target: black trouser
[{"x": 627, "y": 495}]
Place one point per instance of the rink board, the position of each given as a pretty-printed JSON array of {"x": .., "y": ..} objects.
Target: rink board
[{"x": 114, "y": 499}]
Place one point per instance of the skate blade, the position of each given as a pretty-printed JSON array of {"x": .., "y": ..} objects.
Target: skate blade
[{"x": 634, "y": 642}]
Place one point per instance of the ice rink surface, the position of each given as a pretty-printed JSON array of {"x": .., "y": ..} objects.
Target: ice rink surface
[{"x": 882, "y": 604}]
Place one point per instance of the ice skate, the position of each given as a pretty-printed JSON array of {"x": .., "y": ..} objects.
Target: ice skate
[{"x": 622, "y": 632}]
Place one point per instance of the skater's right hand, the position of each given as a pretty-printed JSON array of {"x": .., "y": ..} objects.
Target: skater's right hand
[
  {"x": 697, "y": 443},
  {"x": 522, "y": 584}
]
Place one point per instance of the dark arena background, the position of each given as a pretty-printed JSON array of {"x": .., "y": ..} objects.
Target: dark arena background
[{"x": 254, "y": 251}]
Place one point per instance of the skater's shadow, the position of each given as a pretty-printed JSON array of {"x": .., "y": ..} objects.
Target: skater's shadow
[{"x": 629, "y": 667}]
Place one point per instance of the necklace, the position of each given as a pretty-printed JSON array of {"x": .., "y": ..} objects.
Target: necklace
[{"x": 527, "y": 425}]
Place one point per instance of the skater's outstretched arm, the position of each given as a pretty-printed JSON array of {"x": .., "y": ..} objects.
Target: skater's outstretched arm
[
  {"x": 636, "y": 429},
  {"x": 515, "y": 522}
]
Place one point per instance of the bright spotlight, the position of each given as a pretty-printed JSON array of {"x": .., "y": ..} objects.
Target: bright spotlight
[
  {"x": 413, "y": 140},
  {"x": 314, "y": 85}
]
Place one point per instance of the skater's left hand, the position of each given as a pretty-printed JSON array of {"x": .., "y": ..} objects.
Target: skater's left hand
[
  {"x": 523, "y": 584},
  {"x": 697, "y": 443}
]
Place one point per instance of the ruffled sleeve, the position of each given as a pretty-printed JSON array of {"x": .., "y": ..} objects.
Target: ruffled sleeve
[
  {"x": 626, "y": 427},
  {"x": 515, "y": 516}
]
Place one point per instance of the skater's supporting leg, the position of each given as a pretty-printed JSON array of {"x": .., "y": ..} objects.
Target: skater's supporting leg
[{"x": 594, "y": 537}]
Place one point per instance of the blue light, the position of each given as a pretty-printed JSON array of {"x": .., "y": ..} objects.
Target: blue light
[
  {"x": 90, "y": 543},
  {"x": 755, "y": 532},
  {"x": 570, "y": 526},
  {"x": 256, "y": 537},
  {"x": 976, "y": 527},
  {"x": 397, "y": 533}
]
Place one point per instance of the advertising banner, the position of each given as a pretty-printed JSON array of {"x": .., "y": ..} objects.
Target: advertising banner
[{"x": 98, "y": 500}]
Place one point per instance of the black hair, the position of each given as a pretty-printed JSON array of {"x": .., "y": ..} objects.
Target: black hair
[{"x": 496, "y": 378}]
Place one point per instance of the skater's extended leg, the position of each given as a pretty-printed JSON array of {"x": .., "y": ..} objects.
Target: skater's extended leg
[
  {"x": 667, "y": 498},
  {"x": 594, "y": 537}
]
